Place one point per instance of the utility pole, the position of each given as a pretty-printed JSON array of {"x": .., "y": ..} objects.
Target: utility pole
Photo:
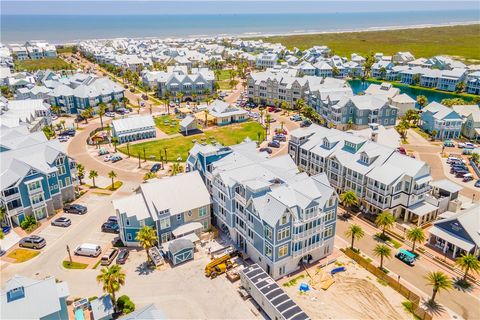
[{"x": 69, "y": 254}]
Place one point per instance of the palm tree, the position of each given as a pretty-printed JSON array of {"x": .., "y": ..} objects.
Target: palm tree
[
  {"x": 268, "y": 118},
  {"x": 422, "y": 101},
  {"x": 439, "y": 281},
  {"x": 80, "y": 172},
  {"x": 114, "y": 104},
  {"x": 108, "y": 129},
  {"x": 176, "y": 169},
  {"x": 101, "y": 112},
  {"x": 382, "y": 251},
  {"x": 468, "y": 262},
  {"x": 62, "y": 123},
  {"x": 233, "y": 83},
  {"x": 355, "y": 232},
  {"x": 415, "y": 235},
  {"x": 112, "y": 175},
  {"x": 56, "y": 109},
  {"x": 92, "y": 175},
  {"x": 385, "y": 220},
  {"x": 349, "y": 198},
  {"x": 115, "y": 142},
  {"x": 147, "y": 237},
  {"x": 124, "y": 100},
  {"x": 112, "y": 278},
  {"x": 206, "y": 112}
]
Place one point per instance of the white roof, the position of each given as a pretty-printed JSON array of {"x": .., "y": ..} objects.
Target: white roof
[
  {"x": 133, "y": 123},
  {"x": 447, "y": 185}
]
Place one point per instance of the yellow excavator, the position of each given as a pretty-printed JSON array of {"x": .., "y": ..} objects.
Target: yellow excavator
[{"x": 220, "y": 265}]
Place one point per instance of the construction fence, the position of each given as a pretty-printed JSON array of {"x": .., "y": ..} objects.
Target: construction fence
[{"x": 393, "y": 283}]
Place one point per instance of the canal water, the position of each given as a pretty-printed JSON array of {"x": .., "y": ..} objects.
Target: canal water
[{"x": 359, "y": 86}]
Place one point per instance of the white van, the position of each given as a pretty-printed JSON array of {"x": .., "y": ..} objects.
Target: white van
[{"x": 88, "y": 250}]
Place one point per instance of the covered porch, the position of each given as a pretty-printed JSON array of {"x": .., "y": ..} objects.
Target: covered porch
[
  {"x": 452, "y": 246},
  {"x": 419, "y": 214}
]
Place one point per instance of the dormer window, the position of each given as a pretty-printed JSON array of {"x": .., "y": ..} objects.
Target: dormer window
[
  {"x": 364, "y": 158},
  {"x": 326, "y": 143},
  {"x": 15, "y": 294}
]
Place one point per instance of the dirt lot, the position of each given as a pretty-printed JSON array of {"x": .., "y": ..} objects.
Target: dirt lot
[{"x": 356, "y": 294}]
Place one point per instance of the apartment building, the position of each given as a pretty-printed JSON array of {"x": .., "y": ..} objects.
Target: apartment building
[
  {"x": 34, "y": 114},
  {"x": 33, "y": 185},
  {"x": 275, "y": 214},
  {"x": 381, "y": 177}
]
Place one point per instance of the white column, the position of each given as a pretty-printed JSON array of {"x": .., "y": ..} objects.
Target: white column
[
  {"x": 454, "y": 251},
  {"x": 405, "y": 216},
  {"x": 445, "y": 247}
]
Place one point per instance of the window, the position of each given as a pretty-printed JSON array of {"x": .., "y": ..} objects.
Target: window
[
  {"x": 283, "y": 251},
  {"x": 268, "y": 250},
  {"x": 37, "y": 198},
  {"x": 205, "y": 225},
  {"x": 268, "y": 233},
  {"x": 166, "y": 237},
  {"x": 284, "y": 220},
  {"x": 202, "y": 211},
  {"x": 328, "y": 232},
  {"x": 129, "y": 236},
  {"x": 34, "y": 185},
  {"x": 61, "y": 170},
  {"x": 283, "y": 234},
  {"x": 179, "y": 217},
  {"x": 398, "y": 187},
  {"x": 165, "y": 223},
  {"x": 67, "y": 181},
  {"x": 330, "y": 215},
  {"x": 281, "y": 270},
  {"x": 331, "y": 202}
]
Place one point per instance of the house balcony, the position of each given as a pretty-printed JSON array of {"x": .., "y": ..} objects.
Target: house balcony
[
  {"x": 306, "y": 250},
  {"x": 240, "y": 199},
  {"x": 14, "y": 212},
  {"x": 378, "y": 189},
  {"x": 353, "y": 179},
  {"x": 35, "y": 191},
  {"x": 376, "y": 203},
  {"x": 38, "y": 204},
  {"x": 308, "y": 233},
  {"x": 11, "y": 197},
  {"x": 422, "y": 190}
]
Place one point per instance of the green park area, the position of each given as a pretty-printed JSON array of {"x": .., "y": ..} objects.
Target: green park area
[
  {"x": 178, "y": 147},
  {"x": 223, "y": 79},
  {"x": 168, "y": 124},
  {"x": 42, "y": 64},
  {"x": 462, "y": 42}
]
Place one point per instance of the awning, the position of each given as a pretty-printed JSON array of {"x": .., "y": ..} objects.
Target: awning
[
  {"x": 187, "y": 228},
  {"x": 423, "y": 180},
  {"x": 422, "y": 208},
  {"x": 451, "y": 238}
]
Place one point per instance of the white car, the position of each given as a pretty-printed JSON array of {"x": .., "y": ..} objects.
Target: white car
[
  {"x": 107, "y": 158},
  {"x": 63, "y": 138},
  {"x": 110, "y": 114}
]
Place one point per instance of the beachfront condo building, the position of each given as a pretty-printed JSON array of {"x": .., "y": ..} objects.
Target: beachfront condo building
[
  {"x": 33, "y": 185},
  {"x": 276, "y": 215},
  {"x": 382, "y": 178}
]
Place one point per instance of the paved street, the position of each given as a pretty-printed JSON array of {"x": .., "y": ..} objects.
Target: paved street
[{"x": 464, "y": 304}]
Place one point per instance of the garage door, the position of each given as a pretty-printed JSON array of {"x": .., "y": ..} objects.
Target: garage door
[{"x": 181, "y": 257}]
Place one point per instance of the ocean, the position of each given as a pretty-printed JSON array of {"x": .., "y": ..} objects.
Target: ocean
[{"x": 60, "y": 29}]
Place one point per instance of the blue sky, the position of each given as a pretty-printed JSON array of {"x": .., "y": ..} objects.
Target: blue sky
[{"x": 223, "y": 7}]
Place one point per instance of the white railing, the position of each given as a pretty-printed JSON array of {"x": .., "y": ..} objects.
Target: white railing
[{"x": 307, "y": 249}]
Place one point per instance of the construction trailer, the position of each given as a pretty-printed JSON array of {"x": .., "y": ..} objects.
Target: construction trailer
[{"x": 269, "y": 296}]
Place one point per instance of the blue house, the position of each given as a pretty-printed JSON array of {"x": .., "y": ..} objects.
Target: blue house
[
  {"x": 25, "y": 298},
  {"x": 443, "y": 120},
  {"x": 176, "y": 207},
  {"x": 33, "y": 185}
]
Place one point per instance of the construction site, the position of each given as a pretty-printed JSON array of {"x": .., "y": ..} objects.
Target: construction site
[{"x": 343, "y": 290}]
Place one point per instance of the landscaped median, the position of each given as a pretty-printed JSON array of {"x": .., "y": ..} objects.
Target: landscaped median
[
  {"x": 74, "y": 265},
  {"x": 178, "y": 147},
  {"x": 22, "y": 255}
]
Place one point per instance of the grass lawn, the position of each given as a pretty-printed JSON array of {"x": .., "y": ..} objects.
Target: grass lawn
[
  {"x": 224, "y": 79},
  {"x": 167, "y": 127},
  {"x": 460, "y": 41},
  {"x": 180, "y": 146},
  {"x": 45, "y": 63},
  {"x": 116, "y": 185},
  {"x": 22, "y": 255},
  {"x": 74, "y": 265}
]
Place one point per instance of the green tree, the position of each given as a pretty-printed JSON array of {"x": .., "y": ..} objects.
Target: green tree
[
  {"x": 268, "y": 119},
  {"x": 422, "y": 101},
  {"x": 92, "y": 175},
  {"x": 335, "y": 71},
  {"x": 176, "y": 169},
  {"x": 460, "y": 87},
  {"x": 149, "y": 175},
  {"x": 233, "y": 83},
  {"x": 355, "y": 232},
  {"x": 80, "y": 172},
  {"x": 147, "y": 238},
  {"x": 385, "y": 221},
  {"x": 112, "y": 279},
  {"x": 475, "y": 157},
  {"x": 439, "y": 281},
  {"x": 206, "y": 112},
  {"x": 468, "y": 262},
  {"x": 382, "y": 251},
  {"x": 349, "y": 198},
  {"x": 48, "y": 132},
  {"x": 62, "y": 123},
  {"x": 415, "y": 235},
  {"x": 112, "y": 175},
  {"x": 433, "y": 134},
  {"x": 453, "y": 102}
]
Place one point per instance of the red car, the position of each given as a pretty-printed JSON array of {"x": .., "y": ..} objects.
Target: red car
[
  {"x": 281, "y": 131},
  {"x": 271, "y": 109}
]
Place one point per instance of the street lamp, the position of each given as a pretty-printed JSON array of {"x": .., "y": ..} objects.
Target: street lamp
[{"x": 473, "y": 198}]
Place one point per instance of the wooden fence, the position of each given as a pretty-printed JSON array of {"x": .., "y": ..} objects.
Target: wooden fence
[{"x": 394, "y": 283}]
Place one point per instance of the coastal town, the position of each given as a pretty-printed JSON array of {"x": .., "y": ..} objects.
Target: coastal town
[{"x": 226, "y": 177}]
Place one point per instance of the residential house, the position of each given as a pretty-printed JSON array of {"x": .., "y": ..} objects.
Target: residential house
[
  {"x": 403, "y": 57},
  {"x": 222, "y": 113},
  {"x": 34, "y": 114},
  {"x": 276, "y": 215},
  {"x": 26, "y": 298},
  {"x": 176, "y": 207},
  {"x": 402, "y": 102},
  {"x": 444, "y": 121},
  {"x": 470, "y": 120},
  {"x": 473, "y": 83},
  {"x": 266, "y": 60},
  {"x": 379, "y": 69},
  {"x": 33, "y": 186},
  {"x": 134, "y": 128},
  {"x": 382, "y": 178}
]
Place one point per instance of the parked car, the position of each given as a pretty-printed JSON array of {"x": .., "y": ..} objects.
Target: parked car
[
  {"x": 68, "y": 132},
  {"x": 454, "y": 159},
  {"x": 477, "y": 183},
  {"x": 405, "y": 256},
  {"x": 271, "y": 109},
  {"x": 267, "y": 150},
  {"x": 115, "y": 158},
  {"x": 63, "y": 138},
  {"x": 458, "y": 169},
  {"x": 108, "y": 257},
  {"x": 448, "y": 143},
  {"x": 110, "y": 114},
  {"x": 467, "y": 177},
  {"x": 32, "y": 242},
  {"x": 112, "y": 219},
  {"x": 280, "y": 137},
  {"x": 62, "y": 222},
  {"x": 305, "y": 123},
  {"x": 281, "y": 131},
  {"x": 461, "y": 145},
  {"x": 122, "y": 256},
  {"x": 110, "y": 227},
  {"x": 88, "y": 250},
  {"x": 461, "y": 173},
  {"x": 296, "y": 117},
  {"x": 155, "y": 167},
  {"x": 402, "y": 150},
  {"x": 274, "y": 144},
  {"x": 469, "y": 145},
  {"x": 75, "y": 208},
  {"x": 103, "y": 152}
]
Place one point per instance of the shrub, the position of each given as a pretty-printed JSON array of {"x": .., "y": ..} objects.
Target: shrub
[
  {"x": 125, "y": 304},
  {"x": 92, "y": 298},
  {"x": 121, "y": 301},
  {"x": 29, "y": 223}
]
